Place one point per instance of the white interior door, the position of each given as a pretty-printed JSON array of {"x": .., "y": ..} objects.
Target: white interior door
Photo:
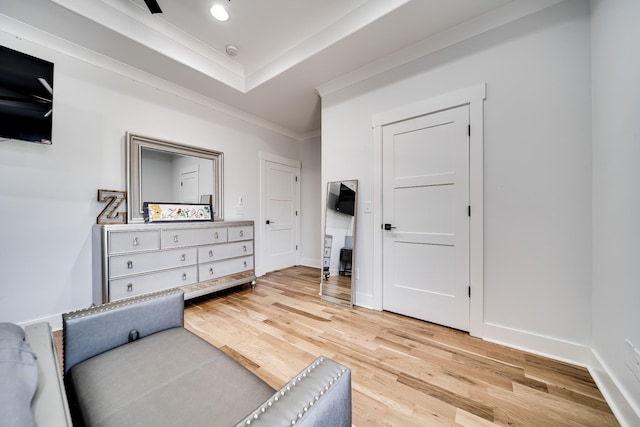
[
  {"x": 189, "y": 183},
  {"x": 280, "y": 215},
  {"x": 425, "y": 204}
]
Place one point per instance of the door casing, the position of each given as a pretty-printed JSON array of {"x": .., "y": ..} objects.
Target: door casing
[
  {"x": 265, "y": 157},
  {"x": 473, "y": 96}
]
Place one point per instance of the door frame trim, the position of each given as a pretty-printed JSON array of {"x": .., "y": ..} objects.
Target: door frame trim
[
  {"x": 260, "y": 230},
  {"x": 473, "y": 96}
]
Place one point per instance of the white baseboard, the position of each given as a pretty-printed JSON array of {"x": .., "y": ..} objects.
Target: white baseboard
[
  {"x": 573, "y": 353},
  {"x": 627, "y": 414},
  {"x": 554, "y": 348},
  {"x": 310, "y": 262},
  {"x": 365, "y": 301}
]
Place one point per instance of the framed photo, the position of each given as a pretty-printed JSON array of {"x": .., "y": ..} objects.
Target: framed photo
[{"x": 177, "y": 212}]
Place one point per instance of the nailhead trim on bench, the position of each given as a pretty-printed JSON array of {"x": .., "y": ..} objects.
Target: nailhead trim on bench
[
  {"x": 120, "y": 303},
  {"x": 293, "y": 383}
]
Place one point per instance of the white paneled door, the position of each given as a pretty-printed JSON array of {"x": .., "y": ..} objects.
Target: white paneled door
[
  {"x": 280, "y": 212},
  {"x": 189, "y": 185},
  {"x": 425, "y": 210}
]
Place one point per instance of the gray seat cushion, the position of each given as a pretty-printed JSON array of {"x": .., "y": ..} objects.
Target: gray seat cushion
[{"x": 170, "y": 378}]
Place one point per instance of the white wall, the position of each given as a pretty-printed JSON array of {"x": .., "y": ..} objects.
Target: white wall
[
  {"x": 48, "y": 194},
  {"x": 537, "y": 160},
  {"x": 616, "y": 196},
  {"x": 310, "y": 206}
]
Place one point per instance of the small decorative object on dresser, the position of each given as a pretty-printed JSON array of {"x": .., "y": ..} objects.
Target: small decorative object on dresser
[
  {"x": 114, "y": 199},
  {"x": 200, "y": 258}
]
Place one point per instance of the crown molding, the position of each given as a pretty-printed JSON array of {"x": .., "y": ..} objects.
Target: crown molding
[
  {"x": 131, "y": 21},
  {"x": 134, "y": 22},
  {"x": 24, "y": 32},
  {"x": 469, "y": 29},
  {"x": 349, "y": 24}
]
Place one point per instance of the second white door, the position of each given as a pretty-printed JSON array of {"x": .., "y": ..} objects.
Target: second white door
[
  {"x": 280, "y": 212},
  {"x": 425, "y": 210}
]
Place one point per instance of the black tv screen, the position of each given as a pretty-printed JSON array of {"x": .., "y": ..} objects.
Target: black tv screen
[
  {"x": 26, "y": 97},
  {"x": 346, "y": 200}
]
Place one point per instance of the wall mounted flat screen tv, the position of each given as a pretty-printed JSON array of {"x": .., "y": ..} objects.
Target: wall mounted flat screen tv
[
  {"x": 26, "y": 97},
  {"x": 346, "y": 200}
]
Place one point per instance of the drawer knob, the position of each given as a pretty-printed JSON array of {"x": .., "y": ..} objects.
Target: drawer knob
[
  {"x": 130, "y": 287},
  {"x": 215, "y": 235},
  {"x": 135, "y": 241},
  {"x": 129, "y": 264},
  {"x": 241, "y": 233},
  {"x": 183, "y": 257},
  {"x": 245, "y": 263},
  {"x": 211, "y": 271},
  {"x": 244, "y": 248},
  {"x": 175, "y": 238},
  {"x": 210, "y": 253},
  {"x": 184, "y": 276}
]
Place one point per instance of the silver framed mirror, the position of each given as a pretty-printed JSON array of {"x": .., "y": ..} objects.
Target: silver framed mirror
[
  {"x": 337, "y": 283},
  {"x": 163, "y": 171}
]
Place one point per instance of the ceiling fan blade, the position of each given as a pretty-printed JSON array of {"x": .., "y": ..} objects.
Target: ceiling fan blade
[
  {"x": 41, "y": 99},
  {"x": 46, "y": 85},
  {"x": 153, "y": 6}
]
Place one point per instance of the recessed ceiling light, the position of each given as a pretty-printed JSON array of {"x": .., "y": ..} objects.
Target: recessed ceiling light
[{"x": 219, "y": 12}]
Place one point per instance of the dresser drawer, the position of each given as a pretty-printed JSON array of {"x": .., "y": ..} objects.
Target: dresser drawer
[
  {"x": 145, "y": 283},
  {"x": 215, "y": 270},
  {"x": 133, "y": 241},
  {"x": 176, "y": 238},
  {"x": 136, "y": 263},
  {"x": 224, "y": 250},
  {"x": 240, "y": 233}
]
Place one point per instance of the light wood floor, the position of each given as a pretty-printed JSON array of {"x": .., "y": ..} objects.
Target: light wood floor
[{"x": 405, "y": 372}]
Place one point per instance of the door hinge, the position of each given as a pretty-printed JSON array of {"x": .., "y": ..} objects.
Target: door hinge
[
  {"x": 469, "y": 210},
  {"x": 469, "y": 291},
  {"x": 469, "y": 130},
  {"x": 296, "y": 213},
  {"x": 296, "y": 247},
  {"x": 296, "y": 178}
]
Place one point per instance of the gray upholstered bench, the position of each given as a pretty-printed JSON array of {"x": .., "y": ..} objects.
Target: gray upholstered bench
[{"x": 132, "y": 363}]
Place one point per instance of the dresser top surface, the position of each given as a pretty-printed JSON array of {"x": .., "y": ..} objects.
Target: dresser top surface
[{"x": 172, "y": 225}]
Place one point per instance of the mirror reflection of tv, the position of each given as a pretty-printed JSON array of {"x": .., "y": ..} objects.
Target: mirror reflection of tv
[
  {"x": 346, "y": 200},
  {"x": 26, "y": 97}
]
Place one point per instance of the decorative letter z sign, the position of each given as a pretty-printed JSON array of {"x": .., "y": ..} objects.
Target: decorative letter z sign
[{"x": 114, "y": 199}]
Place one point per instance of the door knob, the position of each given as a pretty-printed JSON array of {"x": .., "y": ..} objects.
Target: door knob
[
  {"x": 388, "y": 227},
  {"x": 270, "y": 222}
]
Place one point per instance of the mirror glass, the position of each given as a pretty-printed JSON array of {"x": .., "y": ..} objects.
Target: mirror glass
[
  {"x": 161, "y": 171},
  {"x": 339, "y": 242}
]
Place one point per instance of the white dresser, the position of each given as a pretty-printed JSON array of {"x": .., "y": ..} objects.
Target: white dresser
[{"x": 200, "y": 258}]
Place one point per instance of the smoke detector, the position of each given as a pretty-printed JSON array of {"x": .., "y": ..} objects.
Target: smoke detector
[{"x": 232, "y": 50}]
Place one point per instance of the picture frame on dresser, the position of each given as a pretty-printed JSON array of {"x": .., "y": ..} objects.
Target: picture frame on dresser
[{"x": 177, "y": 212}]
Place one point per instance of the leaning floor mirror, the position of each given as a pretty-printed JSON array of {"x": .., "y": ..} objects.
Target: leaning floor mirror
[{"x": 339, "y": 243}]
